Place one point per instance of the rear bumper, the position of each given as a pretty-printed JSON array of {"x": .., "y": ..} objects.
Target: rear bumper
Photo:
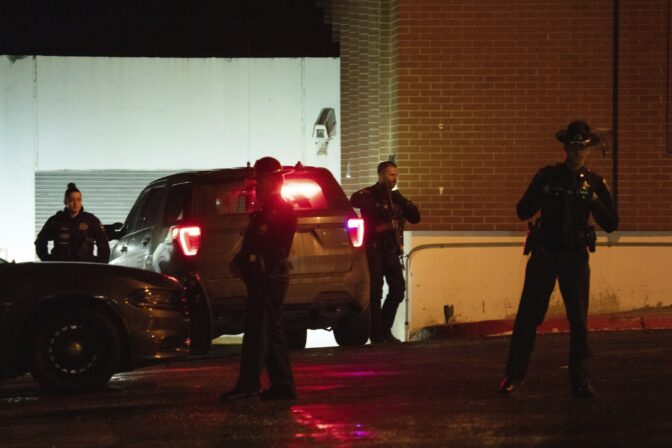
[
  {"x": 313, "y": 300},
  {"x": 351, "y": 288}
]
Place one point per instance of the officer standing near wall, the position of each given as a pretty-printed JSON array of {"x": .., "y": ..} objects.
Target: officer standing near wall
[
  {"x": 74, "y": 233},
  {"x": 262, "y": 264},
  {"x": 559, "y": 242},
  {"x": 384, "y": 211}
]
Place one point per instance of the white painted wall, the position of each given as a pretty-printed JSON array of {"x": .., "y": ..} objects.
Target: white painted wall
[
  {"x": 483, "y": 281},
  {"x": 18, "y": 147},
  {"x": 84, "y": 113}
]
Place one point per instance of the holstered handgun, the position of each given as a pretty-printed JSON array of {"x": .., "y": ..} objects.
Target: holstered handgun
[
  {"x": 533, "y": 239},
  {"x": 591, "y": 237}
]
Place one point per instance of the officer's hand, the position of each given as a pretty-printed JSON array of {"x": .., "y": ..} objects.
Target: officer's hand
[{"x": 384, "y": 227}]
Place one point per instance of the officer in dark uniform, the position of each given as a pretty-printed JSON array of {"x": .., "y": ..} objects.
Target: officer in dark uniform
[
  {"x": 567, "y": 194},
  {"x": 74, "y": 233},
  {"x": 262, "y": 264},
  {"x": 384, "y": 211}
]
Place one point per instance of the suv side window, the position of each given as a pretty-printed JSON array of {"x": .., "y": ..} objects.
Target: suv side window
[
  {"x": 177, "y": 204},
  {"x": 132, "y": 218},
  {"x": 144, "y": 213},
  {"x": 223, "y": 198}
]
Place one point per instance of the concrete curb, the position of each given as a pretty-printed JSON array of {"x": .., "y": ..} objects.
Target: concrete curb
[{"x": 646, "y": 320}]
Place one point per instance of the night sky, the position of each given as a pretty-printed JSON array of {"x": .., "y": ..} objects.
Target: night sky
[{"x": 166, "y": 28}]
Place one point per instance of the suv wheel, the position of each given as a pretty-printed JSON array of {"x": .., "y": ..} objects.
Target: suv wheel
[
  {"x": 353, "y": 328},
  {"x": 75, "y": 351},
  {"x": 296, "y": 338}
]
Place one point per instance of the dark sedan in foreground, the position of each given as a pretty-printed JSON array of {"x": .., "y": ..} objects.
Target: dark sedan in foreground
[{"x": 74, "y": 325}]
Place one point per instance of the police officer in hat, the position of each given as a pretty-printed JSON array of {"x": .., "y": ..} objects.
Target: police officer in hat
[
  {"x": 560, "y": 240},
  {"x": 74, "y": 233},
  {"x": 262, "y": 264},
  {"x": 385, "y": 210}
]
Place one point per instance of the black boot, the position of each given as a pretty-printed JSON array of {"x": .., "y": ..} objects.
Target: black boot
[{"x": 509, "y": 385}]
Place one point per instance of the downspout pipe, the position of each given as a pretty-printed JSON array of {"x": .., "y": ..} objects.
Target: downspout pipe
[{"x": 614, "y": 98}]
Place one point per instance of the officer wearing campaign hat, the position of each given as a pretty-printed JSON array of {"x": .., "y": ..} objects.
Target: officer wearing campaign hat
[
  {"x": 74, "y": 233},
  {"x": 262, "y": 265},
  {"x": 566, "y": 194}
]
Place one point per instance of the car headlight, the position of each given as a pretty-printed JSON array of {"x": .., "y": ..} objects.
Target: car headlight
[{"x": 155, "y": 298}]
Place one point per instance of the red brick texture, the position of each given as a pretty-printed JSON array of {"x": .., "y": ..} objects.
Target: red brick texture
[
  {"x": 645, "y": 164},
  {"x": 366, "y": 73},
  {"x": 468, "y": 95}
]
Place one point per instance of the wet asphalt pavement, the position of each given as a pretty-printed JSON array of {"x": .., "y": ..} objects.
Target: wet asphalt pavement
[{"x": 431, "y": 393}]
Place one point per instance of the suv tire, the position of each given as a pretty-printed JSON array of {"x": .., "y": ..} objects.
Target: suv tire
[{"x": 296, "y": 338}]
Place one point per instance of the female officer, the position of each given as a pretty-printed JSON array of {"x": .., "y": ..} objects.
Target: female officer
[{"x": 74, "y": 233}]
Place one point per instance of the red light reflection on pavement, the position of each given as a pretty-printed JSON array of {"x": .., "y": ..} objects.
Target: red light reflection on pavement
[
  {"x": 345, "y": 371},
  {"x": 338, "y": 424},
  {"x": 328, "y": 424}
]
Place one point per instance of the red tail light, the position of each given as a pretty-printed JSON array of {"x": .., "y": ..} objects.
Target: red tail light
[
  {"x": 188, "y": 238},
  {"x": 356, "y": 231}
]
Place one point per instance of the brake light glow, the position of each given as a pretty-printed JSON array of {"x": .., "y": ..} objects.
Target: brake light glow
[
  {"x": 356, "y": 231},
  {"x": 295, "y": 189},
  {"x": 188, "y": 238}
]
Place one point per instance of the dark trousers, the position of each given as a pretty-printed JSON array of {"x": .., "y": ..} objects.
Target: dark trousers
[
  {"x": 264, "y": 339},
  {"x": 384, "y": 264},
  {"x": 571, "y": 269}
]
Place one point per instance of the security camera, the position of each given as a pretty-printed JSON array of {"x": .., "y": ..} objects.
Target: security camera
[{"x": 324, "y": 129}]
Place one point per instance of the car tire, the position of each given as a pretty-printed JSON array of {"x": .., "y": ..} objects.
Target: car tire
[
  {"x": 296, "y": 338},
  {"x": 353, "y": 328},
  {"x": 75, "y": 351}
]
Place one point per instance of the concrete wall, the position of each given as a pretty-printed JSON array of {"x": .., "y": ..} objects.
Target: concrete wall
[
  {"x": 482, "y": 275},
  {"x": 152, "y": 114},
  {"x": 18, "y": 158}
]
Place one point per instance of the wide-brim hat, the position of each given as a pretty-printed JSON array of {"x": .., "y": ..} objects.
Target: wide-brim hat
[
  {"x": 577, "y": 132},
  {"x": 269, "y": 166}
]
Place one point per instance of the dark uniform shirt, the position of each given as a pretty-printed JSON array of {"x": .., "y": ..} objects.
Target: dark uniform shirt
[
  {"x": 382, "y": 207},
  {"x": 267, "y": 242},
  {"x": 566, "y": 202},
  {"x": 73, "y": 238}
]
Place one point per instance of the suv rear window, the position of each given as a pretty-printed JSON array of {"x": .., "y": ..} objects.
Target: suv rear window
[{"x": 310, "y": 193}]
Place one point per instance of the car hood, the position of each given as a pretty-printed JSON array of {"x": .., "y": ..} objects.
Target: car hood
[{"x": 102, "y": 276}]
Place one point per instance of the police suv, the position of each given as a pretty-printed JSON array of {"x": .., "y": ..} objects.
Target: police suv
[{"x": 190, "y": 225}]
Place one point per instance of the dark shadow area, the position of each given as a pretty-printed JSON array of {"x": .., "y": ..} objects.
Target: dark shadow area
[{"x": 166, "y": 28}]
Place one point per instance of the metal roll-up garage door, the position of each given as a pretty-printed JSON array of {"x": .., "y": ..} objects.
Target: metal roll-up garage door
[{"x": 108, "y": 194}]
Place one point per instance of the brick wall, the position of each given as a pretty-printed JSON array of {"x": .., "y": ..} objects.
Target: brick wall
[
  {"x": 468, "y": 95},
  {"x": 366, "y": 76},
  {"x": 645, "y": 167}
]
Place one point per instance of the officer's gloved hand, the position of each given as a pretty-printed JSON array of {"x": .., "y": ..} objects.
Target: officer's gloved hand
[{"x": 383, "y": 227}]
